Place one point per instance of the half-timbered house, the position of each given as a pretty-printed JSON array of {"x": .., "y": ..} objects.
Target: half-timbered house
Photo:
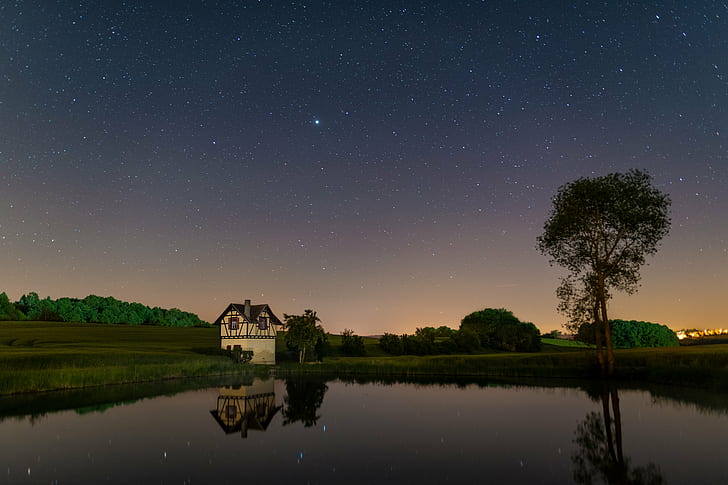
[
  {"x": 243, "y": 408},
  {"x": 250, "y": 328}
]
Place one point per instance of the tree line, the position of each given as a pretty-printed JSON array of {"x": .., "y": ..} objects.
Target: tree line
[
  {"x": 93, "y": 309},
  {"x": 490, "y": 328}
]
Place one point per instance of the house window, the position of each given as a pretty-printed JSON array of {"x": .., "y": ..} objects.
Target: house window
[
  {"x": 263, "y": 323},
  {"x": 233, "y": 323},
  {"x": 232, "y": 411}
]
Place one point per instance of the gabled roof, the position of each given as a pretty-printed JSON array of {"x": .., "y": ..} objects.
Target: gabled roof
[
  {"x": 250, "y": 421},
  {"x": 255, "y": 311}
]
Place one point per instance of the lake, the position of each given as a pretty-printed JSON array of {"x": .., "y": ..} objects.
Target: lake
[{"x": 318, "y": 431}]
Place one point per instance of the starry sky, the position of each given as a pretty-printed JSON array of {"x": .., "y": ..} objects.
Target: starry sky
[{"x": 388, "y": 164}]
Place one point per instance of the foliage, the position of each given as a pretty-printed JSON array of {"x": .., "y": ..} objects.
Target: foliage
[
  {"x": 599, "y": 456},
  {"x": 601, "y": 229},
  {"x": 8, "y": 311},
  {"x": 352, "y": 344},
  {"x": 303, "y": 399},
  {"x": 97, "y": 309},
  {"x": 391, "y": 343},
  {"x": 500, "y": 329},
  {"x": 632, "y": 334},
  {"x": 552, "y": 334},
  {"x": 431, "y": 341},
  {"x": 239, "y": 356},
  {"x": 322, "y": 347},
  {"x": 303, "y": 333},
  {"x": 466, "y": 340}
]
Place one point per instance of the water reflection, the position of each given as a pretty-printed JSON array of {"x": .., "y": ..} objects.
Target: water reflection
[
  {"x": 599, "y": 456},
  {"x": 423, "y": 432},
  {"x": 240, "y": 408},
  {"x": 303, "y": 399}
]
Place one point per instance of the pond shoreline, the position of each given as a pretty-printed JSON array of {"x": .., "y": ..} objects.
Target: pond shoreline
[
  {"x": 705, "y": 368},
  {"x": 45, "y": 356}
]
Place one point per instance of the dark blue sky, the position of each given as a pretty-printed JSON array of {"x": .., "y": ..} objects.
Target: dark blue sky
[{"x": 388, "y": 164}]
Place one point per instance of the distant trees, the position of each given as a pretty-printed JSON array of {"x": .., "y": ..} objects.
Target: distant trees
[
  {"x": 352, "y": 344},
  {"x": 601, "y": 229},
  {"x": 97, "y": 309},
  {"x": 632, "y": 334},
  {"x": 500, "y": 329},
  {"x": 303, "y": 333},
  {"x": 486, "y": 329},
  {"x": 8, "y": 311}
]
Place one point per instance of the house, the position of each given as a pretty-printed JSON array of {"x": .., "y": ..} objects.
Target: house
[
  {"x": 243, "y": 408},
  {"x": 252, "y": 328}
]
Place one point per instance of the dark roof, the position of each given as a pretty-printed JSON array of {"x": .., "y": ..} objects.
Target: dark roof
[
  {"x": 251, "y": 421},
  {"x": 255, "y": 310}
]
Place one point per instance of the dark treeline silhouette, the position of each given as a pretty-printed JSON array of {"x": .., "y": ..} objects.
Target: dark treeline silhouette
[
  {"x": 489, "y": 328},
  {"x": 303, "y": 399},
  {"x": 93, "y": 309}
]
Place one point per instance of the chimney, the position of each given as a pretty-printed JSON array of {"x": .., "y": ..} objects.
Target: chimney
[{"x": 247, "y": 310}]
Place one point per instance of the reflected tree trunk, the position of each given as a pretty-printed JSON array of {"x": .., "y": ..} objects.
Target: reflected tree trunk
[{"x": 599, "y": 457}]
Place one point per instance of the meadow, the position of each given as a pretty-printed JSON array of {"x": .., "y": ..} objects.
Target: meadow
[
  {"x": 41, "y": 356},
  {"x": 704, "y": 366}
]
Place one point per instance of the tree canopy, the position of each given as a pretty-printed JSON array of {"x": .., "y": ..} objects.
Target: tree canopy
[
  {"x": 93, "y": 309},
  {"x": 601, "y": 229},
  {"x": 303, "y": 332},
  {"x": 498, "y": 328},
  {"x": 632, "y": 334}
]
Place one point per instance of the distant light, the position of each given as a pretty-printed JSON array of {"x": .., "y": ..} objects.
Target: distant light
[{"x": 316, "y": 122}]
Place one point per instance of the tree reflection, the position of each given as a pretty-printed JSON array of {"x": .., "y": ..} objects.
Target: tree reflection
[
  {"x": 599, "y": 457},
  {"x": 303, "y": 400}
]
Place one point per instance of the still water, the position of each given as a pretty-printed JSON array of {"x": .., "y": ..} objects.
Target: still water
[{"x": 317, "y": 431}]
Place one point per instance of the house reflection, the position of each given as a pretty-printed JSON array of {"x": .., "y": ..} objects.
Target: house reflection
[{"x": 242, "y": 408}]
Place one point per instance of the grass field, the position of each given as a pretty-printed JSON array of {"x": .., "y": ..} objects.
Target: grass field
[
  {"x": 38, "y": 356},
  {"x": 704, "y": 366},
  {"x": 558, "y": 342}
]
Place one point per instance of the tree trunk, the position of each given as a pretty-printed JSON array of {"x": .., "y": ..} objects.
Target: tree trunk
[
  {"x": 607, "y": 337},
  {"x": 598, "y": 340}
]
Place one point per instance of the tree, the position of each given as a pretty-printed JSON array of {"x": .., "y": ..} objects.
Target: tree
[
  {"x": 302, "y": 332},
  {"x": 8, "y": 311},
  {"x": 599, "y": 455},
  {"x": 391, "y": 343},
  {"x": 500, "y": 329},
  {"x": 303, "y": 400},
  {"x": 601, "y": 229},
  {"x": 352, "y": 344},
  {"x": 632, "y": 334}
]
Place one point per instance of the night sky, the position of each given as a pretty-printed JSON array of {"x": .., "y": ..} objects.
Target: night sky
[{"x": 388, "y": 164}]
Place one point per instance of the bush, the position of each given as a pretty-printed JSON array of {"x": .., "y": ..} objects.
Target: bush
[
  {"x": 352, "y": 344},
  {"x": 500, "y": 329},
  {"x": 391, "y": 344},
  {"x": 632, "y": 334}
]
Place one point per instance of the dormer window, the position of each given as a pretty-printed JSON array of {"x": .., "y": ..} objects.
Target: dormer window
[
  {"x": 263, "y": 323},
  {"x": 233, "y": 323}
]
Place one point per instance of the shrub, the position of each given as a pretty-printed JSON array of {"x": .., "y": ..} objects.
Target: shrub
[{"x": 632, "y": 334}]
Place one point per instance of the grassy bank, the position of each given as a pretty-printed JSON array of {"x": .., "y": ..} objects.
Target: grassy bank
[
  {"x": 703, "y": 366},
  {"x": 40, "y": 356}
]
